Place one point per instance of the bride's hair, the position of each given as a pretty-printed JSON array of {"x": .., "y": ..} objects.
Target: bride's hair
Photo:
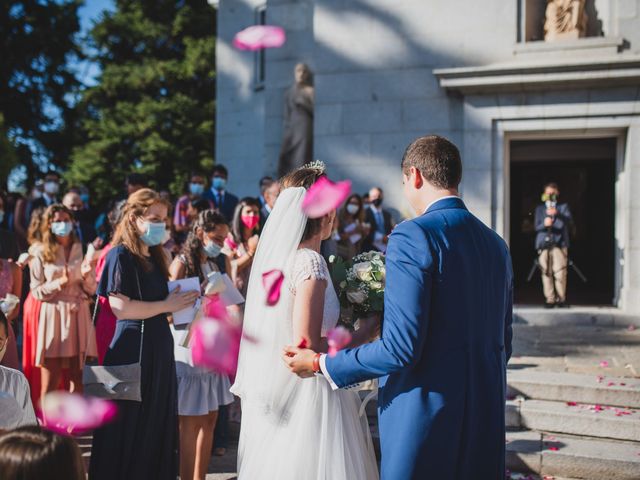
[{"x": 305, "y": 177}]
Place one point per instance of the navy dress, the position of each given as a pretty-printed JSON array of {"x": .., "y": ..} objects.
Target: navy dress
[{"x": 143, "y": 441}]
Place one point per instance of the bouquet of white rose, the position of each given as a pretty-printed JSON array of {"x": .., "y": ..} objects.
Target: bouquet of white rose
[{"x": 360, "y": 283}]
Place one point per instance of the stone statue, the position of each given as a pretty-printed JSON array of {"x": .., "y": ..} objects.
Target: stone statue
[
  {"x": 297, "y": 138},
  {"x": 565, "y": 20}
]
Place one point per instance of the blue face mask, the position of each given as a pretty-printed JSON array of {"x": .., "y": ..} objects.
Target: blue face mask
[
  {"x": 61, "y": 229},
  {"x": 219, "y": 183},
  {"x": 154, "y": 233},
  {"x": 212, "y": 250},
  {"x": 196, "y": 189}
]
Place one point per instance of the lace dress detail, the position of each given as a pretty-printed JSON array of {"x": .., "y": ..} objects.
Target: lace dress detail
[{"x": 310, "y": 265}]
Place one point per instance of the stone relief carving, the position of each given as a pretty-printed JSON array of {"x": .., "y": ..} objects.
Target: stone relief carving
[{"x": 565, "y": 20}]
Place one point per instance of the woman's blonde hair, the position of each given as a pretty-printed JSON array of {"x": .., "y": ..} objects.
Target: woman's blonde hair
[
  {"x": 127, "y": 233},
  {"x": 34, "y": 232},
  {"x": 50, "y": 244}
]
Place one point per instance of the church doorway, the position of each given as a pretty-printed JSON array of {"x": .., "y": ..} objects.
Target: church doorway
[{"x": 585, "y": 171}]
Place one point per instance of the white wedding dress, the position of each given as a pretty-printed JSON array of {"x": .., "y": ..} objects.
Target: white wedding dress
[{"x": 292, "y": 428}]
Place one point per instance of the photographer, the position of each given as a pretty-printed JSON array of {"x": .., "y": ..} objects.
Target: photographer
[{"x": 552, "y": 221}]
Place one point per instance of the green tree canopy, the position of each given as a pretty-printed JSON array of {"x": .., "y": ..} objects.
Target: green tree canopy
[
  {"x": 152, "y": 110},
  {"x": 36, "y": 81}
]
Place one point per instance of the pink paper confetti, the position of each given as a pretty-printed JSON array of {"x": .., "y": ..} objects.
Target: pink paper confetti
[
  {"x": 338, "y": 338},
  {"x": 325, "y": 196},
  {"x": 272, "y": 282},
  {"x": 214, "y": 307},
  {"x": 572, "y": 404},
  {"x": 215, "y": 345},
  {"x": 599, "y": 378},
  {"x": 230, "y": 244},
  {"x": 258, "y": 37},
  {"x": 72, "y": 414},
  {"x": 611, "y": 384},
  {"x": 303, "y": 343},
  {"x": 604, "y": 364}
]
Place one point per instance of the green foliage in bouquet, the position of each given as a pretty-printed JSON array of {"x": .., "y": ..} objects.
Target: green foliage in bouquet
[{"x": 360, "y": 283}]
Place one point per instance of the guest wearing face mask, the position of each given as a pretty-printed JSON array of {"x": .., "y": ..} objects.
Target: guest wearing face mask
[
  {"x": 200, "y": 392},
  {"x": 64, "y": 283},
  {"x": 352, "y": 228},
  {"x": 243, "y": 241},
  {"x": 51, "y": 188},
  {"x": 142, "y": 442},
  {"x": 83, "y": 227},
  {"x": 183, "y": 215},
  {"x": 380, "y": 220},
  {"x": 224, "y": 201}
]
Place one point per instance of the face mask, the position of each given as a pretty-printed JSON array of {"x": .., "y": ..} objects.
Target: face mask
[
  {"x": 212, "y": 250},
  {"x": 353, "y": 209},
  {"x": 196, "y": 189},
  {"x": 377, "y": 202},
  {"x": 219, "y": 183},
  {"x": 1, "y": 215},
  {"x": 85, "y": 198},
  {"x": 250, "y": 221},
  {"x": 36, "y": 193},
  {"x": 154, "y": 233},
  {"x": 61, "y": 229},
  {"x": 167, "y": 236},
  {"x": 52, "y": 188}
]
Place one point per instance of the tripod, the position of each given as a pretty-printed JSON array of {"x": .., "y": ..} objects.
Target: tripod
[{"x": 569, "y": 263}]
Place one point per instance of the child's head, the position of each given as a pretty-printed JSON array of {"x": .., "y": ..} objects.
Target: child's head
[{"x": 31, "y": 453}]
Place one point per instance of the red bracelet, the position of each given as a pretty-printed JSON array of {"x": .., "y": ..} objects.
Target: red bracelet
[{"x": 316, "y": 363}]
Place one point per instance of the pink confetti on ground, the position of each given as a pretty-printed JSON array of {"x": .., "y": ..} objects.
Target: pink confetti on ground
[
  {"x": 72, "y": 414},
  {"x": 325, "y": 196},
  {"x": 599, "y": 378},
  {"x": 338, "y": 338},
  {"x": 258, "y": 37},
  {"x": 572, "y": 404},
  {"x": 272, "y": 282},
  {"x": 631, "y": 328},
  {"x": 604, "y": 364}
]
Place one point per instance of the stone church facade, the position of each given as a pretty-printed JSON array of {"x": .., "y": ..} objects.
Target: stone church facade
[{"x": 523, "y": 110}]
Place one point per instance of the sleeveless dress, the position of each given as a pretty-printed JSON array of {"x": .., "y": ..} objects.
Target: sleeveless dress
[
  {"x": 142, "y": 443},
  {"x": 200, "y": 391},
  {"x": 324, "y": 438}
]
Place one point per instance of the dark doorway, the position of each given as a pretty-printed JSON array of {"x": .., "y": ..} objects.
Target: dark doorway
[{"x": 585, "y": 171}]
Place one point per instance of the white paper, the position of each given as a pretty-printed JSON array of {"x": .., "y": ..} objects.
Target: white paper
[
  {"x": 229, "y": 294},
  {"x": 355, "y": 238},
  {"x": 186, "y": 315}
]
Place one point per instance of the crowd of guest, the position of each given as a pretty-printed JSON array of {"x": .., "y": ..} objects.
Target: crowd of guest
[{"x": 78, "y": 284}]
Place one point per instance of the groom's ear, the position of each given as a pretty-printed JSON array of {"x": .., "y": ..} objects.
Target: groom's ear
[{"x": 416, "y": 178}]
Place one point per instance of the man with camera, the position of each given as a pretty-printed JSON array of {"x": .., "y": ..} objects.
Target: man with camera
[{"x": 552, "y": 222}]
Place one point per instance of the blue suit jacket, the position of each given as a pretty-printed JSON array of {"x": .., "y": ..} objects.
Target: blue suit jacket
[{"x": 446, "y": 340}]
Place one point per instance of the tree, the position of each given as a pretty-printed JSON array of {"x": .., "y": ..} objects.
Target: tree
[
  {"x": 37, "y": 49},
  {"x": 152, "y": 110}
]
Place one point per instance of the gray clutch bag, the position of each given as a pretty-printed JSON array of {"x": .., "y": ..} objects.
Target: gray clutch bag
[{"x": 115, "y": 382}]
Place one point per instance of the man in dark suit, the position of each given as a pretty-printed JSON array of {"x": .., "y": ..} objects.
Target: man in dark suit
[
  {"x": 83, "y": 226},
  {"x": 224, "y": 201},
  {"x": 268, "y": 200},
  {"x": 51, "y": 188},
  {"x": 446, "y": 338},
  {"x": 552, "y": 222},
  {"x": 380, "y": 220}
]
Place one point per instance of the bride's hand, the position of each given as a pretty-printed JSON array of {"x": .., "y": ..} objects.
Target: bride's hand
[{"x": 299, "y": 360}]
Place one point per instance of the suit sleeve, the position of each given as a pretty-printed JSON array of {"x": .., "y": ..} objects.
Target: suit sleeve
[
  {"x": 407, "y": 302},
  {"x": 508, "y": 318},
  {"x": 540, "y": 215}
]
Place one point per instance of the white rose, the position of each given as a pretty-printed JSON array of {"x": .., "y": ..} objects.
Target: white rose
[
  {"x": 356, "y": 296},
  {"x": 376, "y": 285},
  {"x": 363, "y": 271},
  {"x": 343, "y": 284}
]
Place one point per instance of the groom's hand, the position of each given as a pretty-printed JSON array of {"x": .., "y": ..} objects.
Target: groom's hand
[{"x": 299, "y": 360}]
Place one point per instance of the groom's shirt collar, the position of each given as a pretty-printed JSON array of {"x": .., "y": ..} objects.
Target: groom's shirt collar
[{"x": 439, "y": 200}]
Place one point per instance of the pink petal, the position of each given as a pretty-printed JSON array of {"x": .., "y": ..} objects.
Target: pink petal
[
  {"x": 325, "y": 196},
  {"x": 599, "y": 378},
  {"x": 230, "y": 243},
  {"x": 571, "y": 404},
  {"x": 303, "y": 343},
  {"x": 70, "y": 413},
  {"x": 610, "y": 384},
  {"x": 214, "y": 307},
  {"x": 272, "y": 282},
  {"x": 215, "y": 345},
  {"x": 258, "y": 37},
  {"x": 604, "y": 364},
  {"x": 338, "y": 338}
]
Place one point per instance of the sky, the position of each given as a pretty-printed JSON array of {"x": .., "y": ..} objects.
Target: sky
[{"x": 89, "y": 13}]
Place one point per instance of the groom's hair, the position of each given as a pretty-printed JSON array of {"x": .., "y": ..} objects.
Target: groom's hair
[{"x": 437, "y": 159}]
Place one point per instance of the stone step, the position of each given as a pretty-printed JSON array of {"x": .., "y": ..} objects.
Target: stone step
[
  {"x": 574, "y": 457},
  {"x": 599, "y": 316},
  {"x": 576, "y": 419},
  {"x": 574, "y": 387}
]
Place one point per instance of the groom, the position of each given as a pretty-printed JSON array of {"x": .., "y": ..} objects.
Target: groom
[{"x": 446, "y": 338}]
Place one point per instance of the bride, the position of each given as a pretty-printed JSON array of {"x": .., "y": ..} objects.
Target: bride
[{"x": 293, "y": 428}]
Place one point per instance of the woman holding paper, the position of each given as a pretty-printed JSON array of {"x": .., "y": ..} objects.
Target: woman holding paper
[
  {"x": 352, "y": 228},
  {"x": 243, "y": 241},
  {"x": 200, "y": 392},
  {"x": 142, "y": 442}
]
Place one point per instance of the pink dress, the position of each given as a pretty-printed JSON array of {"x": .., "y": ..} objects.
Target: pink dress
[
  {"x": 10, "y": 358},
  {"x": 105, "y": 319}
]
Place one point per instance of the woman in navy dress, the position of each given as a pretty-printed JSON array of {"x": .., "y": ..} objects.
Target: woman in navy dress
[{"x": 143, "y": 441}]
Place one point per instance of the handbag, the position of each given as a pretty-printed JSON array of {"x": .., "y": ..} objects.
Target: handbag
[{"x": 115, "y": 382}]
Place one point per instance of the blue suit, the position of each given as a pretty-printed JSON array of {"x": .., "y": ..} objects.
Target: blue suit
[{"x": 446, "y": 341}]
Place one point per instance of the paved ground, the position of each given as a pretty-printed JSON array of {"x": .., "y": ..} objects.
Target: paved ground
[{"x": 566, "y": 348}]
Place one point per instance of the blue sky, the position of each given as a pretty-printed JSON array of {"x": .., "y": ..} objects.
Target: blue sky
[{"x": 89, "y": 13}]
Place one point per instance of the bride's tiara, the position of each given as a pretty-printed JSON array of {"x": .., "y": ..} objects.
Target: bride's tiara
[{"x": 317, "y": 165}]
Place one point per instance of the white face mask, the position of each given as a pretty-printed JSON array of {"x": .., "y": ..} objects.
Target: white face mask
[
  {"x": 52, "y": 188},
  {"x": 352, "y": 209}
]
